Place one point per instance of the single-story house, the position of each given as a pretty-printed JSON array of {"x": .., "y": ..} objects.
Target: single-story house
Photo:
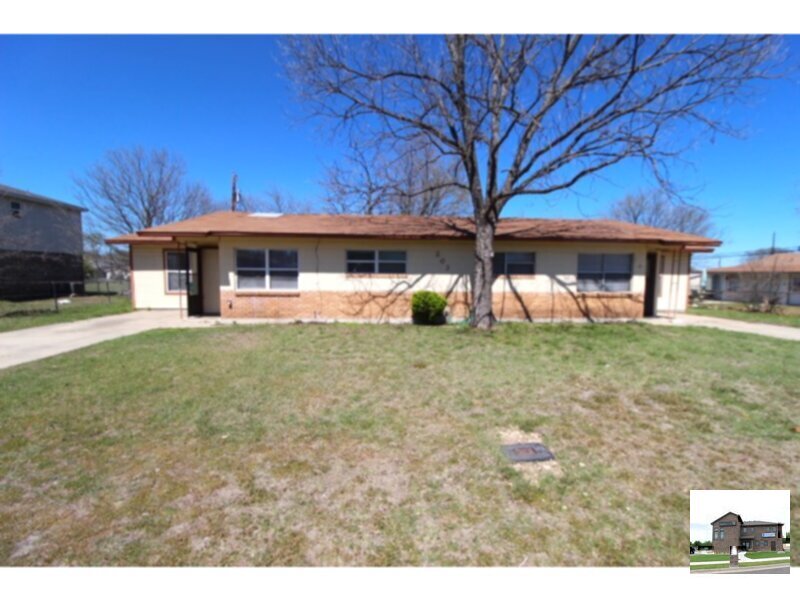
[
  {"x": 237, "y": 264},
  {"x": 695, "y": 281},
  {"x": 773, "y": 278},
  {"x": 41, "y": 242},
  {"x": 730, "y": 530}
]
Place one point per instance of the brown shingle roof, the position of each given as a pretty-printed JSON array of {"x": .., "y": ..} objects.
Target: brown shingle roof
[
  {"x": 756, "y": 523},
  {"x": 227, "y": 223},
  {"x": 738, "y": 517},
  {"x": 787, "y": 262}
]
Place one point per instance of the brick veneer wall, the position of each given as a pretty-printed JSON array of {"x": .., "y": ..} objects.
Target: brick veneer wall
[{"x": 377, "y": 306}]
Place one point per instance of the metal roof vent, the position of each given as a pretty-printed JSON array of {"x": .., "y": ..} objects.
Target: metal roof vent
[
  {"x": 527, "y": 452},
  {"x": 266, "y": 215}
]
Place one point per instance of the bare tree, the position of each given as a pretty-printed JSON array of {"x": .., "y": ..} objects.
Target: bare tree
[
  {"x": 409, "y": 180},
  {"x": 658, "y": 209},
  {"x": 280, "y": 201},
  {"x": 762, "y": 252},
  {"x": 101, "y": 260},
  {"x": 525, "y": 115},
  {"x": 133, "y": 188},
  {"x": 760, "y": 285}
]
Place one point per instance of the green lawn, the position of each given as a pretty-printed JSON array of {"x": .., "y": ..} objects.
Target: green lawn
[
  {"x": 767, "y": 555},
  {"x": 696, "y": 558},
  {"x": 378, "y": 445},
  {"x": 15, "y": 315},
  {"x": 789, "y": 316}
]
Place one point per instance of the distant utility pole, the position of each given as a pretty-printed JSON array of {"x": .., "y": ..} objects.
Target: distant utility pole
[
  {"x": 235, "y": 192},
  {"x": 772, "y": 250}
]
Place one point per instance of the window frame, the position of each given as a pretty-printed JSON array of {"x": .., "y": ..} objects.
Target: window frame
[
  {"x": 602, "y": 275},
  {"x": 375, "y": 262},
  {"x": 729, "y": 278},
  {"x": 504, "y": 271},
  {"x": 180, "y": 271},
  {"x": 267, "y": 270}
]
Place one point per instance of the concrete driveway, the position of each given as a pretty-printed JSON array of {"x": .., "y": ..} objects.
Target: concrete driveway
[
  {"x": 775, "y": 331},
  {"x": 26, "y": 345}
]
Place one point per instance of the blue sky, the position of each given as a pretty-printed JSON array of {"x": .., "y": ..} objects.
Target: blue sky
[{"x": 223, "y": 104}]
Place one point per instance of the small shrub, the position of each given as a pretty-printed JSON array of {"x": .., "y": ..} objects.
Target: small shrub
[{"x": 427, "y": 308}]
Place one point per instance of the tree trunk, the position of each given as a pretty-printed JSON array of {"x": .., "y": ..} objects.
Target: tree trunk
[{"x": 482, "y": 315}]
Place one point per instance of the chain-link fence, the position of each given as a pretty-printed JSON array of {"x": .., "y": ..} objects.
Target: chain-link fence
[{"x": 21, "y": 298}]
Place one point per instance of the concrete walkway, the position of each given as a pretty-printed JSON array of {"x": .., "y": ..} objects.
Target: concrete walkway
[
  {"x": 775, "y": 331},
  {"x": 26, "y": 345},
  {"x": 743, "y": 559}
]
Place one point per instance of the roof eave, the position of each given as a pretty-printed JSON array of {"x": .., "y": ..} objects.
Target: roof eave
[{"x": 692, "y": 247}]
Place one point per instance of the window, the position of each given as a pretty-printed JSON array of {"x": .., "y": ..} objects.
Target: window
[
  {"x": 16, "y": 209},
  {"x": 177, "y": 265},
  {"x": 514, "y": 263},
  {"x": 376, "y": 261},
  {"x": 795, "y": 284},
  {"x": 266, "y": 269},
  {"x": 283, "y": 270},
  {"x": 604, "y": 272},
  {"x": 732, "y": 283},
  {"x": 722, "y": 534}
]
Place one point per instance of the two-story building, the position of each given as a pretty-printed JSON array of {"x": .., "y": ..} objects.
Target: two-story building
[
  {"x": 730, "y": 530},
  {"x": 41, "y": 241}
]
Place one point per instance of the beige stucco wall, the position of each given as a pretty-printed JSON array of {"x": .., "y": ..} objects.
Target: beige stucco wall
[
  {"x": 439, "y": 266},
  {"x": 672, "y": 291},
  {"x": 149, "y": 287}
]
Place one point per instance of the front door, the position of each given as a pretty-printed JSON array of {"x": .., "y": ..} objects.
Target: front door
[
  {"x": 772, "y": 546},
  {"x": 194, "y": 295},
  {"x": 650, "y": 284}
]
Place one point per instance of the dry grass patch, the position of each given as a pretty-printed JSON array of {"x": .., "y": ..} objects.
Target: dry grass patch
[{"x": 336, "y": 445}]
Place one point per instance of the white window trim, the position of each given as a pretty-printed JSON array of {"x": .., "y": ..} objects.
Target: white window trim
[
  {"x": 179, "y": 290},
  {"x": 267, "y": 271}
]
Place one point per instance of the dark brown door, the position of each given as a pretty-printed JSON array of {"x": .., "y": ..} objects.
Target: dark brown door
[
  {"x": 194, "y": 292},
  {"x": 772, "y": 546},
  {"x": 651, "y": 279}
]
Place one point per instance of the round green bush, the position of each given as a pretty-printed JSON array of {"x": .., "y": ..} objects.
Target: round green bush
[{"x": 427, "y": 308}]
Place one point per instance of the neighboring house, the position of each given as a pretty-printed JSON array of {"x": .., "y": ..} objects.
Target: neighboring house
[
  {"x": 695, "y": 282},
  {"x": 773, "y": 278},
  {"x": 729, "y": 530},
  {"x": 367, "y": 267},
  {"x": 40, "y": 241}
]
